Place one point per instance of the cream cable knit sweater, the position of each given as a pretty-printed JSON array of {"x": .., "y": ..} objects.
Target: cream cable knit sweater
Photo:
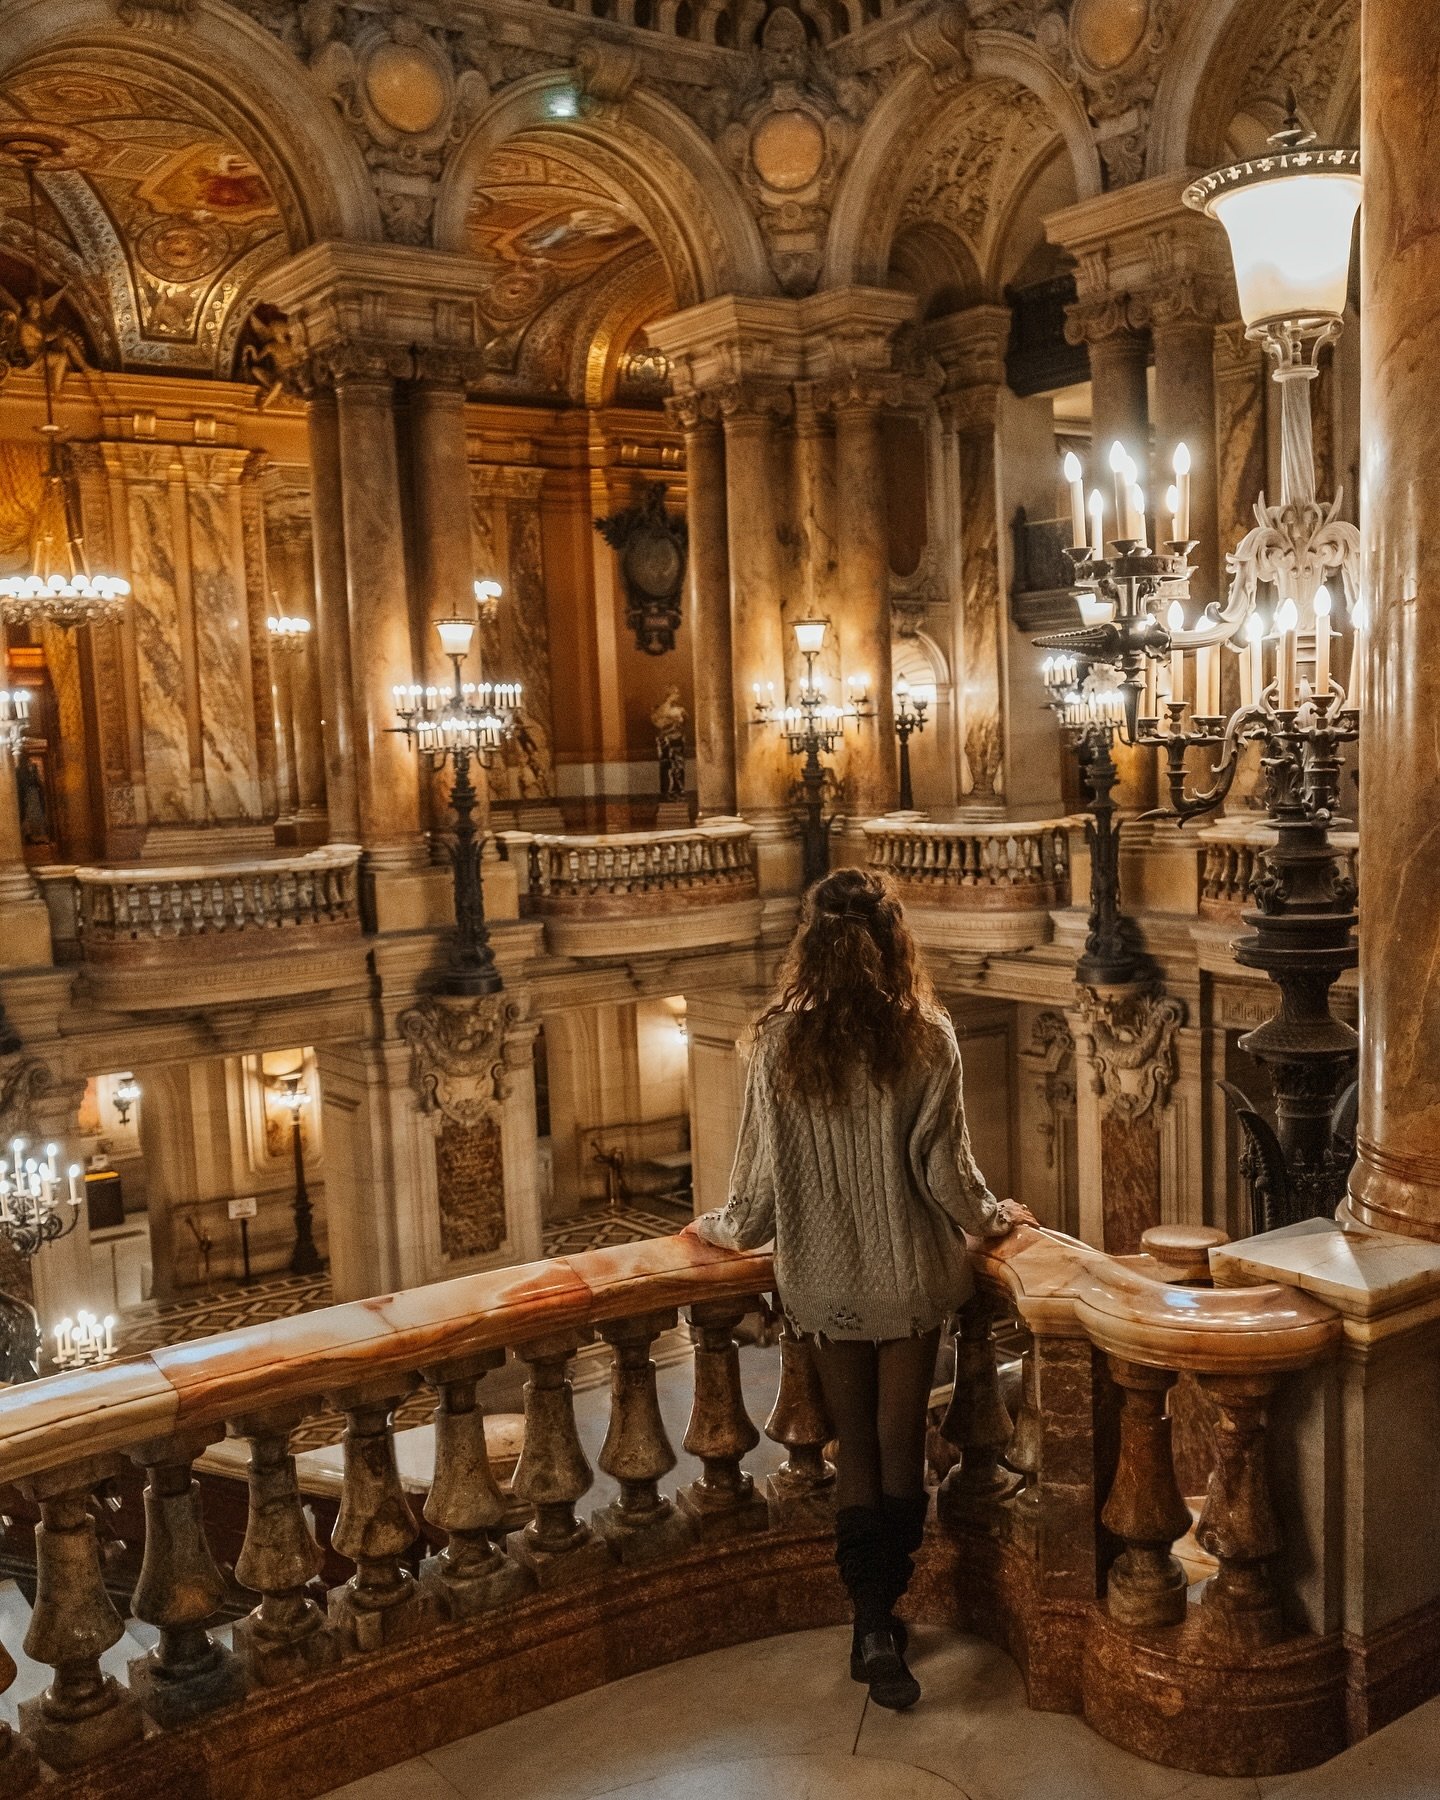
[{"x": 866, "y": 1200}]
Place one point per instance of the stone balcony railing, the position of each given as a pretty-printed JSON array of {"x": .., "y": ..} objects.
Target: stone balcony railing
[
  {"x": 981, "y": 886},
  {"x": 631, "y": 892},
  {"x": 155, "y": 916},
  {"x": 1230, "y": 853},
  {"x": 1054, "y": 1533}
]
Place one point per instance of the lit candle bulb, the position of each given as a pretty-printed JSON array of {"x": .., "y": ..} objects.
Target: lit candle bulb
[
  {"x": 1359, "y": 619},
  {"x": 109, "y": 1334},
  {"x": 1097, "y": 524},
  {"x": 1182, "y": 486},
  {"x": 1175, "y": 619},
  {"x": 1119, "y": 463},
  {"x": 1287, "y": 623},
  {"x": 1322, "y": 644},
  {"x": 1206, "y": 703},
  {"x": 1075, "y": 475},
  {"x": 1172, "y": 506},
  {"x": 1137, "y": 508}
]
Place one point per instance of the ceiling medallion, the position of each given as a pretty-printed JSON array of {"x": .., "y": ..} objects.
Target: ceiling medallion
[
  {"x": 407, "y": 87},
  {"x": 788, "y": 150},
  {"x": 1105, "y": 34}
]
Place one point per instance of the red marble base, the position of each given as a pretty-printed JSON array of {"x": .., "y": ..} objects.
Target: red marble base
[{"x": 1182, "y": 1697}]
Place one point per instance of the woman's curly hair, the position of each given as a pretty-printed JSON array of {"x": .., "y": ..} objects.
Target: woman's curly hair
[{"x": 851, "y": 990}]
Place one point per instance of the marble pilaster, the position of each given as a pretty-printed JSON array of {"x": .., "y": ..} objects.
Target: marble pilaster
[
  {"x": 1395, "y": 1185},
  {"x": 24, "y": 921},
  {"x": 291, "y": 563},
  {"x": 332, "y": 619},
  {"x": 708, "y": 598},
  {"x": 971, "y": 348},
  {"x": 382, "y": 648}
]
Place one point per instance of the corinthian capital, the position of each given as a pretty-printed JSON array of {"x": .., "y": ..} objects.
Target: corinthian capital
[
  {"x": 1186, "y": 298},
  {"x": 1100, "y": 319}
]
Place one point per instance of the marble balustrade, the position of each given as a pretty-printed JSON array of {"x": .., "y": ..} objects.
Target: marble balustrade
[
  {"x": 1230, "y": 855},
  {"x": 1053, "y": 1532},
  {"x": 992, "y": 866},
  {"x": 147, "y": 914}
]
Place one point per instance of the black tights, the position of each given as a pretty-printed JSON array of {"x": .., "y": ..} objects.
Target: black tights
[{"x": 878, "y": 1395}]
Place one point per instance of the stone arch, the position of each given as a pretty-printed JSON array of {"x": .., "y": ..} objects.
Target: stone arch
[
  {"x": 688, "y": 204},
  {"x": 1219, "y": 53},
  {"x": 866, "y": 216},
  {"x": 231, "y": 62},
  {"x": 937, "y": 266}
]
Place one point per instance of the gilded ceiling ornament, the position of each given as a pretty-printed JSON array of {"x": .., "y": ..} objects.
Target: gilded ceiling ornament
[{"x": 1105, "y": 34}]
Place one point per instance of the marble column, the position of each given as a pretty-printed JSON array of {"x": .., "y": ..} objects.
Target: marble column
[
  {"x": 708, "y": 584},
  {"x": 288, "y": 534},
  {"x": 381, "y": 641},
  {"x": 1183, "y": 325},
  {"x": 282, "y": 700},
  {"x": 1119, "y": 409},
  {"x": 24, "y": 922},
  {"x": 755, "y": 523},
  {"x": 971, "y": 415},
  {"x": 1395, "y": 1185},
  {"x": 862, "y": 595},
  {"x": 332, "y": 620}
]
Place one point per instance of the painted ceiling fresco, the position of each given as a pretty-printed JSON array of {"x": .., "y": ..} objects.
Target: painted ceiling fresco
[
  {"x": 158, "y": 227},
  {"x": 565, "y": 260}
]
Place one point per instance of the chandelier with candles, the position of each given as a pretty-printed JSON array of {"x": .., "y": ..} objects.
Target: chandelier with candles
[
  {"x": 1290, "y": 217},
  {"x": 60, "y": 588},
  {"x": 35, "y": 1209}
]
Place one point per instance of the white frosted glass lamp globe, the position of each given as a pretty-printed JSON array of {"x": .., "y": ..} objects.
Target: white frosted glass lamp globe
[
  {"x": 455, "y": 635},
  {"x": 810, "y": 636},
  {"x": 1290, "y": 219}
]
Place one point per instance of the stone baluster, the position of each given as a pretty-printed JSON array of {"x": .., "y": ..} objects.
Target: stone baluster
[
  {"x": 1237, "y": 1524},
  {"x": 380, "y": 1604},
  {"x": 642, "y": 1525},
  {"x": 19, "y": 1766},
  {"x": 180, "y": 1588},
  {"x": 1022, "y": 1454},
  {"x": 801, "y": 1492},
  {"x": 472, "y": 1573},
  {"x": 285, "y": 1638},
  {"x": 553, "y": 1473},
  {"x": 722, "y": 1502},
  {"x": 1145, "y": 1508},
  {"x": 977, "y": 1421},
  {"x": 84, "y": 1713}
]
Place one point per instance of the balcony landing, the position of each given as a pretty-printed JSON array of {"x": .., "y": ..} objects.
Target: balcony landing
[{"x": 781, "y": 1720}]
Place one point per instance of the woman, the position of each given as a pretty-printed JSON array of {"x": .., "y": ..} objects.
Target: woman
[{"x": 854, "y": 1156}]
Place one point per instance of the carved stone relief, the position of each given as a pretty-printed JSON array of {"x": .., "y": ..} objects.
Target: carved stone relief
[
  {"x": 1051, "y": 1056},
  {"x": 651, "y": 545},
  {"x": 459, "y": 1072},
  {"x": 1129, "y": 1039}
]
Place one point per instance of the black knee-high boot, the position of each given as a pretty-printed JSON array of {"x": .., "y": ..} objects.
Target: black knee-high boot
[
  {"x": 865, "y": 1554},
  {"x": 904, "y": 1516}
]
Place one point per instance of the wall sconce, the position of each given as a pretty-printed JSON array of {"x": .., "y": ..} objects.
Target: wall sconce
[{"x": 127, "y": 1093}]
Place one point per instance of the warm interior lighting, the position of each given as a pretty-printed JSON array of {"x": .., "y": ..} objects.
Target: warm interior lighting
[
  {"x": 455, "y": 635},
  {"x": 810, "y": 636}
]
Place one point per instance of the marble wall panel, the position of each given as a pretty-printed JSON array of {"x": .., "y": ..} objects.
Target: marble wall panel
[
  {"x": 505, "y": 519},
  {"x": 156, "y": 611},
  {"x": 981, "y": 674},
  {"x": 222, "y": 637}
]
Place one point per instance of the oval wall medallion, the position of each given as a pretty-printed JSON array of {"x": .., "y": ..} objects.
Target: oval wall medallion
[
  {"x": 406, "y": 87},
  {"x": 1107, "y": 33},
  {"x": 788, "y": 150}
]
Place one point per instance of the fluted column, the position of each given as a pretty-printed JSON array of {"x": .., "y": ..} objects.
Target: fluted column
[
  {"x": 1395, "y": 1185},
  {"x": 708, "y": 582},
  {"x": 862, "y": 593},
  {"x": 754, "y": 521},
  {"x": 332, "y": 620},
  {"x": 381, "y": 644}
]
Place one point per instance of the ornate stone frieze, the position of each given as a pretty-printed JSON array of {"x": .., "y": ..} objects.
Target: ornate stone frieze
[
  {"x": 460, "y": 1073},
  {"x": 1129, "y": 1037},
  {"x": 1051, "y": 1058},
  {"x": 1305, "y": 57},
  {"x": 24, "y": 1082}
]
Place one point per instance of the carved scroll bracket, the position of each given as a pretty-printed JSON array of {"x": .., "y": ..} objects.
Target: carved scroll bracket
[{"x": 1128, "y": 1037}]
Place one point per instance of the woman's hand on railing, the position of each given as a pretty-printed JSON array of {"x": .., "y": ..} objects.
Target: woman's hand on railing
[{"x": 1013, "y": 1213}]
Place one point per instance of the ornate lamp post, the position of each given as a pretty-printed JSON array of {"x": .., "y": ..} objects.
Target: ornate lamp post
[
  {"x": 910, "y": 706},
  {"x": 305, "y": 1258},
  {"x": 1091, "y": 712},
  {"x": 1290, "y": 216},
  {"x": 813, "y": 729},
  {"x": 463, "y": 725}
]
